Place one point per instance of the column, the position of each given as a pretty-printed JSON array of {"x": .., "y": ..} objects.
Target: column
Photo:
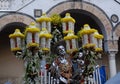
[{"x": 112, "y": 63}]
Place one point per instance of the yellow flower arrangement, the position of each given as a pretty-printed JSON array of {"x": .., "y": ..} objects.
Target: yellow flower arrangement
[
  {"x": 89, "y": 45},
  {"x": 87, "y": 31},
  {"x": 45, "y": 49},
  {"x": 43, "y": 18},
  {"x": 56, "y": 19},
  {"x": 32, "y": 45},
  {"x": 66, "y": 32},
  {"x": 72, "y": 50},
  {"x": 17, "y": 33},
  {"x": 68, "y": 18},
  {"x": 15, "y": 49},
  {"x": 44, "y": 33},
  {"x": 98, "y": 49},
  {"x": 97, "y": 35},
  {"x": 32, "y": 28},
  {"x": 70, "y": 36}
]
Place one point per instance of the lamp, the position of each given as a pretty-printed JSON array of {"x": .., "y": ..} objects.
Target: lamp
[
  {"x": 87, "y": 36},
  {"x": 30, "y": 47},
  {"x": 71, "y": 41},
  {"x": 16, "y": 40},
  {"x": 26, "y": 46},
  {"x": 44, "y": 22},
  {"x": 32, "y": 36},
  {"x": 98, "y": 41},
  {"x": 45, "y": 38},
  {"x": 68, "y": 23}
]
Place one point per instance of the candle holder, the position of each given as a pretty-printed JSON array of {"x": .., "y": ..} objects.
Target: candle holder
[
  {"x": 34, "y": 46},
  {"x": 30, "y": 47}
]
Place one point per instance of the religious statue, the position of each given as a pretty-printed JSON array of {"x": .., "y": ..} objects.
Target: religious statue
[
  {"x": 62, "y": 66},
  {"x": 78, "y": 64}
]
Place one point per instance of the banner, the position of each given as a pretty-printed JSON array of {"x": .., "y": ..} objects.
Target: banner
[{"x": 102, "y": 74}]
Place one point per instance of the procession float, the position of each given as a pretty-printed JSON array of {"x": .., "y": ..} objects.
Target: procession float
[{"x": 54, "y": 54}]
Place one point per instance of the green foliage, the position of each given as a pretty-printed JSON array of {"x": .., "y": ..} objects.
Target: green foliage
[
  {"x": 52, "y": 57},
  {"x": 57, "y": 36},
  {"x": 32, "y": 64},
  {"x": 90, "y": 61},
  {"x": 56, "y": 19}
]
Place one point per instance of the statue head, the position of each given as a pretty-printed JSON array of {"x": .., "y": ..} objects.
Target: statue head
[
  {"x": 80, "y": 53},
  {"x": 61, "y": 50}
]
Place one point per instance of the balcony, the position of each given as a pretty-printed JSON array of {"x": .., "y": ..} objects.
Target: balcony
[{"x": 13, "y": 5}]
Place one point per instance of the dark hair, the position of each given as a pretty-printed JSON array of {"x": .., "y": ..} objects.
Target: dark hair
[
  {"x": 80, "y": 49},
  {"x": 55, "y": 47}
]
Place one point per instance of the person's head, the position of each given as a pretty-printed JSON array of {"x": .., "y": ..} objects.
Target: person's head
[
  {"x": 80, "y": 53},
  {"x": 61, "y": 50}
]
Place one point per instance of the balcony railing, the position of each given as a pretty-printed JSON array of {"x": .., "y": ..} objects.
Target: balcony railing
[{"x": 7, "y": 5}]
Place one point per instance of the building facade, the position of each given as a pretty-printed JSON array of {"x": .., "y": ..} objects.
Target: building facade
[{"x": 102, "y": 15}]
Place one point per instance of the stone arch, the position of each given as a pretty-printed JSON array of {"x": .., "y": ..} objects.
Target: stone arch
[
  {"x": 117, "y": 31},
  {"x": 15, "y": 67},
  {"x": 15, "y": 17},
  {"x": 116, "y": 36},
  {"x": 96, "y": 11}
]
